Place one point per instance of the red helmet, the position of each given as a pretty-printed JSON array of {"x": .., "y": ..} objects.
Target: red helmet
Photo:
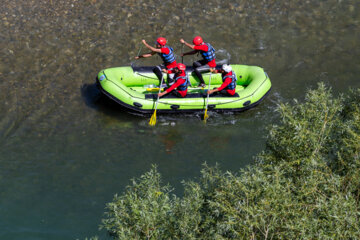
[
  {"x": 161, "y": 41},
  {"x": 197, "y": 40},
  {"x": 181, "y": 66}
]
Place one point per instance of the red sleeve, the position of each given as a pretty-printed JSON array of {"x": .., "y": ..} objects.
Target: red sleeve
[
  {"x": 165, "y": 50},
  {"x": 203, "y": 47},
  {"x": 212, "y": 63},
  {"x": 175, "y": 85},
  {"x": 225, "y": 83}
]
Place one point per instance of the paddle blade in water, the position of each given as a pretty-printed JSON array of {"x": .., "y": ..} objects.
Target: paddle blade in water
[
  {"x": 152, "y": 121},
  {"x": 206, "y": 116}
]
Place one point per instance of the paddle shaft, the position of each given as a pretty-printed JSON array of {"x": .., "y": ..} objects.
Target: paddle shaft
[
  {"x": 140, "y": 49},
  {"x": 162, "y": 78},
  {"x": 182, "y": 52},
  {"x": 207, "y": 99}
]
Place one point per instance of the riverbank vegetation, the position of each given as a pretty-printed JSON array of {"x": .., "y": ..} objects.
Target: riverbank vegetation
[{"x": 304, "y": 185}]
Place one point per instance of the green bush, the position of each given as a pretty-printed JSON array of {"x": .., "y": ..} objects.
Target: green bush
[
  {"x": 304, "y": 185},
  {"x": 142, "y": 212}
]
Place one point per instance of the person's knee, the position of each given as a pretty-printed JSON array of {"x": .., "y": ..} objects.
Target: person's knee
[
  {"x": 156, "y": 70},
  {"x": 171, "y": 77},
  {"x": 177, "y": 94},
  {"x": 203, "y": 68},
  {"x": 225, "y": 93},
  {"x": 171, "y": 81},
  {"x": 196, "y": 64}
]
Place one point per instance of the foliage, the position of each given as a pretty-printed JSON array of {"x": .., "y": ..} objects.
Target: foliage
[
  {"x": 142, "y": 212},
  {"x": 304, "y": 185}
]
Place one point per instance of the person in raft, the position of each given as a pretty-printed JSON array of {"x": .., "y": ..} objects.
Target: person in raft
[
  {"x": 181, "y": 82},
  {"x": 208, "y": 54},
  {"x": 167, "y": 55},
  {"x": 229, "y": 81}
]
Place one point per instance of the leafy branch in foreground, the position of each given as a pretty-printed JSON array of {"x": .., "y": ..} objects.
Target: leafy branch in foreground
[{"x": 304, "y": 185}]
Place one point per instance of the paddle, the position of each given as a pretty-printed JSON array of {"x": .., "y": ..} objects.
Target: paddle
[
  {"x": 140, "y": 49},
  {"x": 152, "y": 121},
  {"x": 137, "y": 57},
  {"x": 182, "y": 52},
  {"x": 206, "y": 116}
]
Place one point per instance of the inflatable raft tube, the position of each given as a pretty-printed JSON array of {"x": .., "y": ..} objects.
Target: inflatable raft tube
[{"x": 133, "y": 88}]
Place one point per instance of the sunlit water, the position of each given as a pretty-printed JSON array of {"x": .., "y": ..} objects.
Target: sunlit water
[{"x": 64, "y": 152}]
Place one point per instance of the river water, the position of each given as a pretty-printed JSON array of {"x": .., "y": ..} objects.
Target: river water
[{"x": 64, "y": 152}]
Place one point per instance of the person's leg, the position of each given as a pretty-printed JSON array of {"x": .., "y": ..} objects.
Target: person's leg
[
  {"x": 214, "y": 94},
  {"x": 158, "y": 73},
  {"x": 170, "y": 78},
  {"x": 224, "y": 93},
  {"x": 197, "y": 64},
  {"x": 221, "y": 93},
  {"x": 177, "y": 94},
  {"x": 199, "y": 67},
  {"x": 173, "y": 94}
]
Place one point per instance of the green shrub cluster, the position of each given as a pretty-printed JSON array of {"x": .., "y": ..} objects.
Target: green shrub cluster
[{"x": 304, "y": 185}]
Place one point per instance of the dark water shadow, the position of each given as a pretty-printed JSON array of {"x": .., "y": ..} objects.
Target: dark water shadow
[
  {"x": 90, "y": 94},
  {"x": 93, "y": 98}
]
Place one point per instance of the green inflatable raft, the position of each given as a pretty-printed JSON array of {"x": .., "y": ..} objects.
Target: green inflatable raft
[{"x": 136, "y": 88}]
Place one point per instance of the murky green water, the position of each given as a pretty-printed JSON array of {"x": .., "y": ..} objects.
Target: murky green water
[{"x": 64, "y": 153}]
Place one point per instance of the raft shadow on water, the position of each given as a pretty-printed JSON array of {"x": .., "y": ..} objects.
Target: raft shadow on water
[
  {"x": 91, "y": 94},
  {"x": 93, "y": 98}
]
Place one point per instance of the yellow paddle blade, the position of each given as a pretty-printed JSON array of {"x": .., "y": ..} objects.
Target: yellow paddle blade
[
  {"x": 152, "y": 121},
  {"x": 152, "y": 89},
  {"x": 206, "y": 116}
]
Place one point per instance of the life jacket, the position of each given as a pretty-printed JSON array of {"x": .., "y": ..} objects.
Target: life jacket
[
  {"x": 233, "y": 77},
  {"x": 168, "y": 58},
  {"x": 185, "y": 85},
  {"x": 210, "y": 54}
]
